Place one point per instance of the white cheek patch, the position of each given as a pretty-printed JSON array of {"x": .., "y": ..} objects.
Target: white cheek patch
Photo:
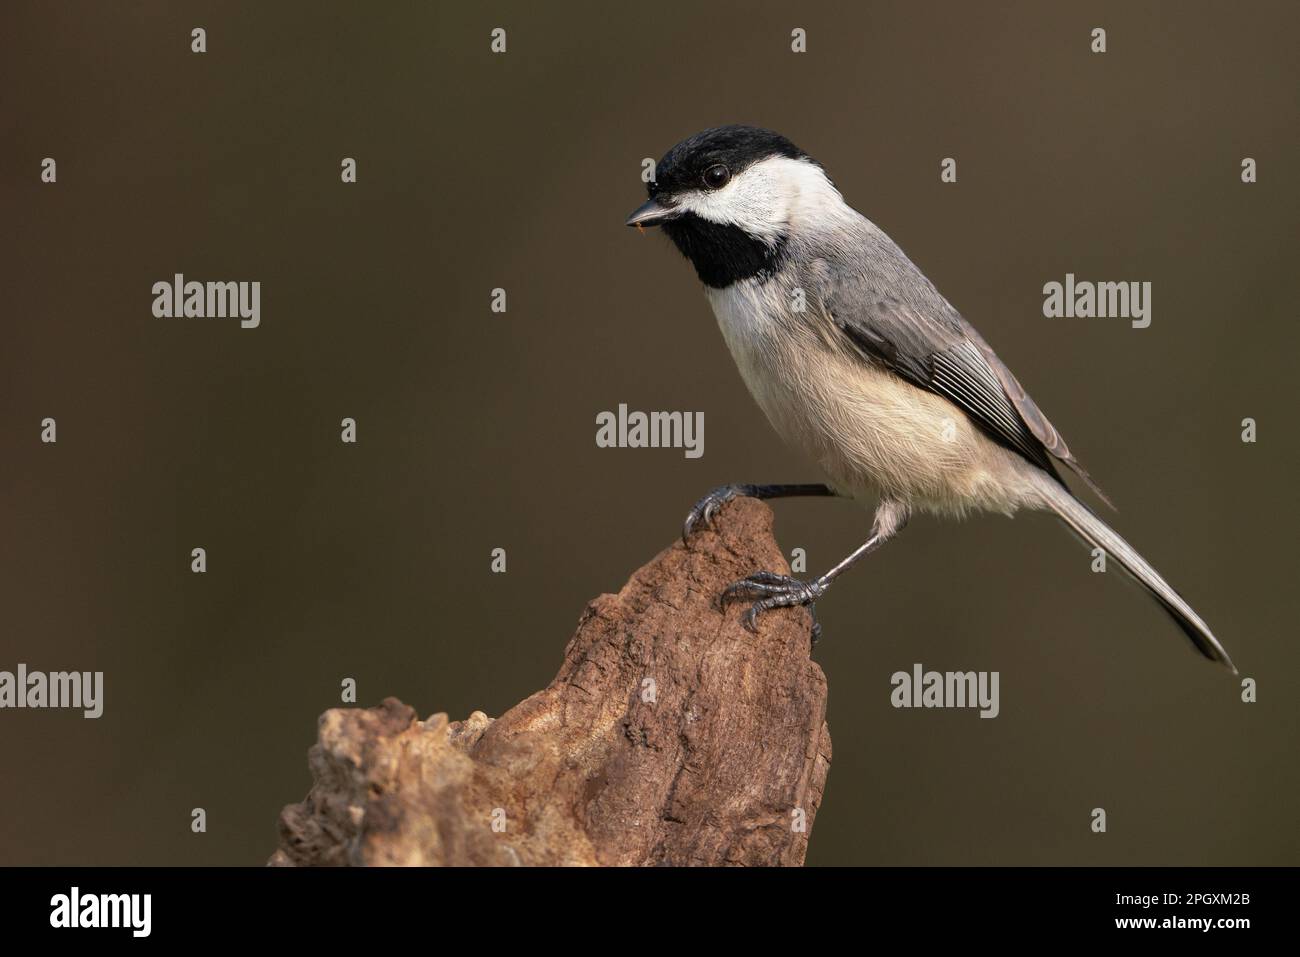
[{"x": 762, "y": 199}]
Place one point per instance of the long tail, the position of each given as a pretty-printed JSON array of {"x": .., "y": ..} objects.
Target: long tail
[{"x": 1100, "y": 535}]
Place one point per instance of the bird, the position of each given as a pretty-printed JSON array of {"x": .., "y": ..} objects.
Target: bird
[{"x": 858, "y": 362}]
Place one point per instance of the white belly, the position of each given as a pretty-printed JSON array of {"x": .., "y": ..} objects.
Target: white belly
[{"x": 872, "y": 433}]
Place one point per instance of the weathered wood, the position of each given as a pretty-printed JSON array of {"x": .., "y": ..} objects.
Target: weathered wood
[{"x": 671, "y": 735}]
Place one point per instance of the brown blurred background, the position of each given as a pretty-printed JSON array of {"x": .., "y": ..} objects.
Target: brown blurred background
[{"x": 477, "y": 430}]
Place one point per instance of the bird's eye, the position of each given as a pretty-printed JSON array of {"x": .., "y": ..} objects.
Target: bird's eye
[{"x": 716, "y": 177}]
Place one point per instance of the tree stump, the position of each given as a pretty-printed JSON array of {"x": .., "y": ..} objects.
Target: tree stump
[{"x": 671, "y": 735}]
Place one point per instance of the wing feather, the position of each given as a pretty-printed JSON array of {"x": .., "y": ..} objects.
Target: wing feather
[{"x": 929, "y": 344}]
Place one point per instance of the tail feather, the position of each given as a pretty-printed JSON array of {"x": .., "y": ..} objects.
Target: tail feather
[{"x": 1093, "y": 530}]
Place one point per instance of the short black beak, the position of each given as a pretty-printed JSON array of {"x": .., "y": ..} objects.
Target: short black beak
[{"x": 652, "y": 213}]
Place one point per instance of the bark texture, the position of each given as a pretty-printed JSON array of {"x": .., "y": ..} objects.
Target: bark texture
[{"x": 671, "y": 735}]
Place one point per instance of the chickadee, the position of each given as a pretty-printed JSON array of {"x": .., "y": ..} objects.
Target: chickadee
[{"x": 860, "y": 363}]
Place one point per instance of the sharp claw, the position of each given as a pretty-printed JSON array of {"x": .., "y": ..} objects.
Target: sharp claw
[
  {"x": 707, "y": 508},
  {"x": 776, "y": 591}
]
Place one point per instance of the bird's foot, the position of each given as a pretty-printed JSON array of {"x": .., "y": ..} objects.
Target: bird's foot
[
  {"x": 706, "y": 509},
  {"x": 774, "y": 591}
]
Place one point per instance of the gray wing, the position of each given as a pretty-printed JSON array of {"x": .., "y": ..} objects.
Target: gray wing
[{"x": 923, "y": 339}]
